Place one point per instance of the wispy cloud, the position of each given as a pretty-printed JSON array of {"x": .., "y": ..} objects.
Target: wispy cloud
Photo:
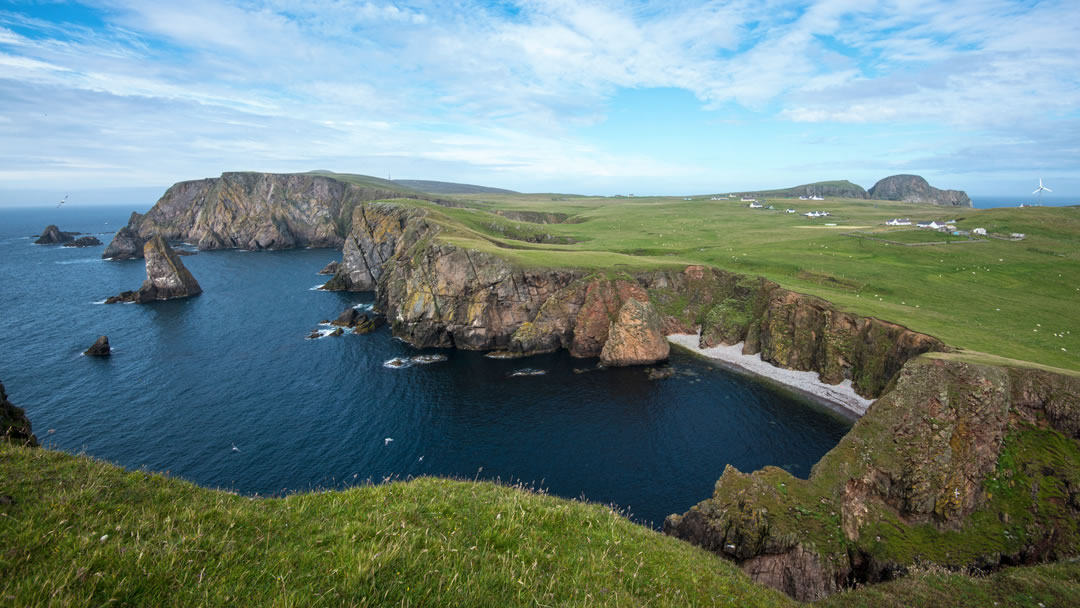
[{"x": 212, "y": 84}]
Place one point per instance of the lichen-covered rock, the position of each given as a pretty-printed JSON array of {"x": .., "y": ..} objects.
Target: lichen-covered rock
[
  {"x": 636, "y": 336},
  {"x": 100, "y": 348},
  {"x": 53, "y": 235},
  {"x": 960, "y": 464},
  {"x": 83, "y": 241},
  {"x": 14, "y": 425},
  {"x": 603, "y": 301}
]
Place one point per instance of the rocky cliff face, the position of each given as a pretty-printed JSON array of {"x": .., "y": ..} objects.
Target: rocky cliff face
[
  {"x": 126, "y": 244},
  {"x": 915, "y": 189},
  {"x": 251, "y": 211},
  {"x": 14, "y": 425},
  {"x": 962, "y": 464}
]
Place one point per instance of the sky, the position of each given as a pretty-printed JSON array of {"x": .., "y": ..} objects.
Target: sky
[{"x": 107, "y": 97}]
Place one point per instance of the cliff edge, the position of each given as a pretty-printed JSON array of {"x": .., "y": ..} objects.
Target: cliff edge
[{"x": 915, "y": 189}]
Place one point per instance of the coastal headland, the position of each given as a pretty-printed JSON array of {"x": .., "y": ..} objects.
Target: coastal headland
[{"x": 949, "y": 451}]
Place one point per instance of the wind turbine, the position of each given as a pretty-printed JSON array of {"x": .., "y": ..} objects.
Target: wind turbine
[{"x": 1040, "y": 190}]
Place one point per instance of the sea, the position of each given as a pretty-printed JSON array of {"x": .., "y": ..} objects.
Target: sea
[{"x": 227, "y": 390}]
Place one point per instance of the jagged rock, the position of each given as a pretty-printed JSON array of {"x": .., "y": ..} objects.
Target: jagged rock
[
  {"x": 347, "y": 318},
  {"x": 14, "y": 425},
  {"x": 366, "y": 325},
  {"x": 52, "y": 236},
  {"x": 126, "y": 244},
  {"x": 337, "y": 331},
  {"x": 124, "y": 296},
  {"x": 100, "y": 348},
  {"x": 915, "y": 189},
  {"x": 166, "y": 276},
  {"x": 330, "y": 268},
  {"x": 635, "y": 337},
  {"x": 83, "y": 241}
]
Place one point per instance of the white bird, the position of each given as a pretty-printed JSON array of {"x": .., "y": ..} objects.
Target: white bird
[
  {"x": 62, "y": 201},
  {"x": 234, "y": 448},
  {"x": 387, "y": 440},
  {"x": 421, "y": 459}
]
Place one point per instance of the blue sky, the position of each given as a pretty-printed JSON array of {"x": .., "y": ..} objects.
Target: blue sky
[{"x": 542, "y": 95}]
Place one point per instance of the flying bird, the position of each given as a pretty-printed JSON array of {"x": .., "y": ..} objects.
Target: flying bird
[
  {"x": 387, "y": 440},
  {"x": 234, "y": 448},
  {"x": 64, "y": 200}
]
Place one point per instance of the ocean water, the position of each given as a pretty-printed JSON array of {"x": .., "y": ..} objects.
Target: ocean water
[
  {"x": 192, "y": 379},
  {"x": 992, "y": 201}
]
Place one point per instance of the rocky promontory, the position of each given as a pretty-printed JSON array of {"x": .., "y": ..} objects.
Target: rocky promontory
[
  {"x": 166, "y": 276},
  {"x": 100, "y": 348},
  {"x": 14, "y": 425},
  {"x": 252, "y": 211},
  {"x": 915, "y": 189},
  {"x": 962, "y": 464},
  {"x": 54, "y": 236}
]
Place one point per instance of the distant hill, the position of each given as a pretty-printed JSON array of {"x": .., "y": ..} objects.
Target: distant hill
[
  {"x": 836, "y": 189},
  {"x": 433, "y": 187},
  {"x": 915, "y": 189},
  {"x": 368, "y": 181}
]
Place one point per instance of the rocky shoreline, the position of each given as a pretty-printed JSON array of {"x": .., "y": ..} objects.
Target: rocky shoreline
[{"x": 838, "y": 397}]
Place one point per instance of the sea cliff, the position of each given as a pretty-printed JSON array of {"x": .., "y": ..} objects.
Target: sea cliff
[
  {"x": 254, "y": 211},
  {"x": 962, "y": 464}
]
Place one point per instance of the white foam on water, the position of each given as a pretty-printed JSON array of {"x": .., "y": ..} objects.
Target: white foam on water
[
  {"x": 427, "y": 359},
  {"x": 364, "y": 307},
  {"x": 99, "y": 302},
  {"x": 317, "y": 287},
  {"x": 527, "y": 371},
  {"x": 398, "y": 363}
]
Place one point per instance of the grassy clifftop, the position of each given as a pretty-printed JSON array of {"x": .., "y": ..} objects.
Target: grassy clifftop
[{"x": 85, "y": 533}]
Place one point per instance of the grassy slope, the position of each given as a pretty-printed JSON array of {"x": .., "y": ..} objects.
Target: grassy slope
[
  {"x": 83, "y": 533},
  {"x": 1001, "y": 297}
]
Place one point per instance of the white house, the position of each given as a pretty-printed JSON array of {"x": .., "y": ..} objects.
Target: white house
[
  {"x": 817, "y": 198},
  {"x": 756, "y": 205},
  {"x": 981, "y": 231},
  {"x": 790, "y": 210},
  {"x": 1018, "y": 235},
  {"x": 812, "y": 214},
  {"x": 749, "y": 200},
  {"x": 898, "y": 222}
]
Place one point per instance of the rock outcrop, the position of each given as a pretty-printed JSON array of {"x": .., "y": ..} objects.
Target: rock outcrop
[
  {"x": 330, "y": 268},
  {"x": 360, "y": 323},
  {"x": 252, "y": 211},
  {"x": 166, "y": 276},
  {"x": 83, "y": 241},
  {"x": 126, "y": 244},
  {"x": 14, "y": 425},
  {"x": 636, "y": 336},
  {"x": 100, "y": 348},
  {"x": 962, "y": 465},
  {"x": 915, "y": 189},
  {"x": 53, "y": 236}
]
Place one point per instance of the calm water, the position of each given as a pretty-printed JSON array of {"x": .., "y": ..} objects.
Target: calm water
[{"x": 189, "y": 379}]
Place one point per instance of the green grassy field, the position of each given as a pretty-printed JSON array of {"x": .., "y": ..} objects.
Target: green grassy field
[
  {"x": 81, "y": 532},
  {"x": 1016, "y": 299}
]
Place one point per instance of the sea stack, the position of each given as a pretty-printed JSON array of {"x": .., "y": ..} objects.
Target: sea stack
[
  {"x": 166, "y": 276},
  {"x": 100, "y": 348},
  {"x": 126, "y": 243},
  {"x": 53, "y": 235},
  {"x": 14, "y": 425}
]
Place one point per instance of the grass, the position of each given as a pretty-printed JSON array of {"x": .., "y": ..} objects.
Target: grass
[
  {"x": 1014, "y": 299},
  {"x": 87, "y": 533}
]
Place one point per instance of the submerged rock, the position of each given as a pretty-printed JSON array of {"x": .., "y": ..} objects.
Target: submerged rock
[
  {"x": 14, "y": 425},
  {"x": 660, "y": 373},
  {"x": 53, "y": 235},
  {"x": 100, "y": 348},
  {"x": 84, "y": 241},
  {"x": 123, "y": 296},
  {"x": 425, "y": 359}
]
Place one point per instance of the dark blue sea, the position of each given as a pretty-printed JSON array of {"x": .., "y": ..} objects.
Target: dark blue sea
[{"x": 190, "y": 379}]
